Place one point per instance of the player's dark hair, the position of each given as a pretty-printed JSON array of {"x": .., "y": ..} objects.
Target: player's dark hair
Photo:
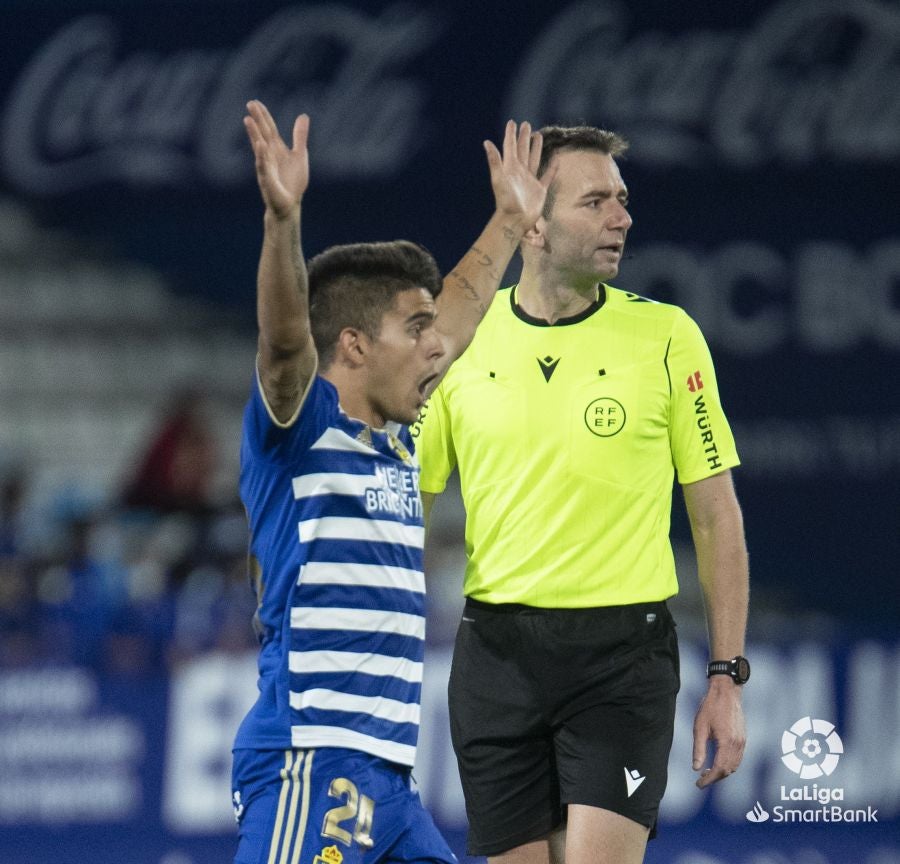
[
  {"x": 356, "y": 284},
  {"x": 557, "y": 138}
]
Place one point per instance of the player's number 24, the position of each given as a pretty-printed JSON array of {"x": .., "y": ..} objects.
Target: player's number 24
[{"x": 355, "y": 806}]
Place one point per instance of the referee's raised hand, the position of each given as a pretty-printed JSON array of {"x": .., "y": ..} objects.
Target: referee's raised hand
[{"x": 282, "y": 172}]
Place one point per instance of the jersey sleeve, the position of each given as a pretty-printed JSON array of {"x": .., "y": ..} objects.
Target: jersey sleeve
[
  {"x": 701, "y": 440},
  {"x": 266, "y": 437},
  {"x": 434, "y": 443}
]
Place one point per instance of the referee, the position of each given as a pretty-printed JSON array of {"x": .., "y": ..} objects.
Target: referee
[{"x": 568, "y": 417}]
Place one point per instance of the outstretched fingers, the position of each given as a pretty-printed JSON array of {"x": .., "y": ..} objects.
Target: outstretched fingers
[
  {"x": 258, "y": 144},
  {"x": 282, "y": 173},
  {"x": 509, "y": 141},
  {"x": 301, "y": 132},
  {"x": 521, "y": 144},
  {"x": 260, "y": 114},
  {"x": 493, "y": 156},
  {"x": 524, "y": 143},
  {"x": 517, "y": 191},
  {"x": 253, "y": 132},
  {"x": 534, "y": 154}
]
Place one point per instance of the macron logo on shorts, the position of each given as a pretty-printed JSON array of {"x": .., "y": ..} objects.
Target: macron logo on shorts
[{"x": 633, "y": 779}]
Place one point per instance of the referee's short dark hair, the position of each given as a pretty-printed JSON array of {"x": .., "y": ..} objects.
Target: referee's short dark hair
[
  {"x": 558, "y": 138},
  {"x": 354, "y": 285}
]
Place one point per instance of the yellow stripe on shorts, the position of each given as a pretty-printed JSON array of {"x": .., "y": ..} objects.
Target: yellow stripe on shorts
[{"x": 288, "y": 830}]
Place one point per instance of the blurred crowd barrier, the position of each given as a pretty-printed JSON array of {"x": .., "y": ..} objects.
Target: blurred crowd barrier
[{"x": 110, "y": 765}]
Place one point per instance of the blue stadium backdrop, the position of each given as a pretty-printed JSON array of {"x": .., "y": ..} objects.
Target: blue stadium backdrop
[{"x": 765, "y": 180}]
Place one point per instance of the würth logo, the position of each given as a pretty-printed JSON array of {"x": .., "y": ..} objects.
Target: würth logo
[
  {"x": 706, "y": 436},
  {"x": 548, "y": 366}
]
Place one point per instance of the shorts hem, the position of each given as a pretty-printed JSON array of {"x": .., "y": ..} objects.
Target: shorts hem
[
  {"x": 507, "y": 844},
  {"x": 648, "y": 822}
]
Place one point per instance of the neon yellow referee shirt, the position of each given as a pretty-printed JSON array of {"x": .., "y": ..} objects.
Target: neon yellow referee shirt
[{"x": 567, "y": 438}]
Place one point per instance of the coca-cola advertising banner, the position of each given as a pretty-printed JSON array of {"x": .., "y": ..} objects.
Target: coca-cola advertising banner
[{"x": 764, "y": 172}]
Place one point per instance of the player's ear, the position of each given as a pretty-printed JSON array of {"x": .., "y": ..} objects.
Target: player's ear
[{"x": 352, "y": 346}]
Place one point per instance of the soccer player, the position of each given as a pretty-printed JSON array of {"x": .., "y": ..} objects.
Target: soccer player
[
  {"x": 329, "y": 479},
  {"x": 567, "y": 417}
]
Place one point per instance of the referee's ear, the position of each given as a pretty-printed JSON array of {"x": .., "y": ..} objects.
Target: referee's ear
[{"x": 534, "y": 238}]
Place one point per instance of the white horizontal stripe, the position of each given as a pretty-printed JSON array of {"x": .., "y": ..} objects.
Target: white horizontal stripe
[
  {"x": 374, "y": 706},
  {"x": 348, "y": 528},
  {"x": 374, "y": 575},
  {"x": 371, "y": 620},
  {"x": 337, "y": 736},
  {"x": 356, "y": 661},
  {"x": 333, "y": 483},
  {"x": 335, "y": 439}
]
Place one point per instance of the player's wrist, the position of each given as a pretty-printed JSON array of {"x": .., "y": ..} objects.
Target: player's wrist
[
  {"x": 513, "y": 225},
  {"x": 276, "y": 215}
]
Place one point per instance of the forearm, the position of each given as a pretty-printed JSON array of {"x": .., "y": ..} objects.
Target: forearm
[
  {"x": 469, "y": 287},
  {"x": 282, "y": 292},
  {"x": 722, "y": 568},
  {"x": 718, "y": 530}
]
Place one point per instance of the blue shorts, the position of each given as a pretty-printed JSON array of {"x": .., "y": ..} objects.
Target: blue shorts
[{"x": 329, "y": 806}]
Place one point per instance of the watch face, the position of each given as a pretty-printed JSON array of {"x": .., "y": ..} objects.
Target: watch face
[{"x": 741, "y": 669}]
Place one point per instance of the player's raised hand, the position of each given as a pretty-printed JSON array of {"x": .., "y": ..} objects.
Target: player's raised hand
[
  {"x": 517, "y": 190},
  {"x": 282, "y": 173}
]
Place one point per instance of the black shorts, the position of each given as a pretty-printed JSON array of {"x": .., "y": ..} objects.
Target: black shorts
[{"x": 550, "y": 707}]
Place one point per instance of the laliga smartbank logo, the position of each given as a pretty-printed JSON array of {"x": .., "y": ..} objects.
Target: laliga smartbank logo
[{"x": 811, "y": 749}]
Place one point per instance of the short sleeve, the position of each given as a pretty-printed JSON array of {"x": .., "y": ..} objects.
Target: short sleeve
[
  {"x": 267, "y": 438},
  {"x": 434, "y": 443},
  {"x": 701, "y": 440}
]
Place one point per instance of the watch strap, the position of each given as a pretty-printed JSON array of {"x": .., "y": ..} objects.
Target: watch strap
[
  {"x": 718, "y": 667},
  {"x": 737, "y": 667}
]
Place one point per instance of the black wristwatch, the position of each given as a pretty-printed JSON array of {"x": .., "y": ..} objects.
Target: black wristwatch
[{"x": 737, "y": 667}]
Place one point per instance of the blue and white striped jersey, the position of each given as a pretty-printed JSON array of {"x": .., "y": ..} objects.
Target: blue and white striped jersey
[{"x": 336, "y": 537}]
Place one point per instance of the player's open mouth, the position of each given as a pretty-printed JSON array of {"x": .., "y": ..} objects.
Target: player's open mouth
[{"x": 423, "y": 386}]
